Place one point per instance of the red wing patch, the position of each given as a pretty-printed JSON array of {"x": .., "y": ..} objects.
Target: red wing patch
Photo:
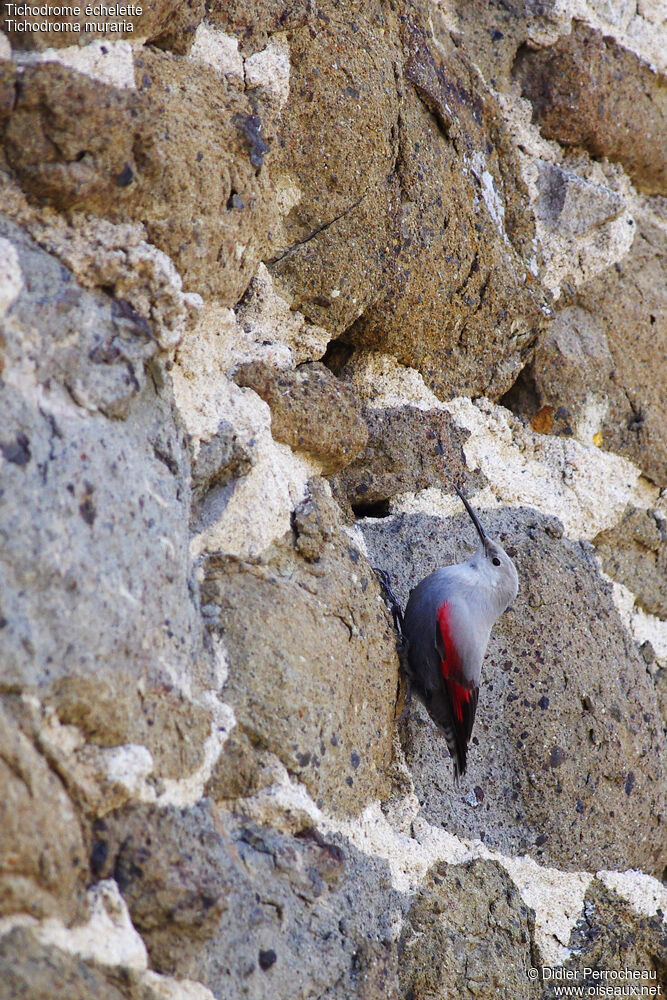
[
  {"x": 462, "y": 698},
  {"x": 450, "y": 659}
]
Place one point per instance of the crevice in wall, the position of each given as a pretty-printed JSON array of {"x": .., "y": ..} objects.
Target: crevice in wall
[{"x": 377, "y": 508}]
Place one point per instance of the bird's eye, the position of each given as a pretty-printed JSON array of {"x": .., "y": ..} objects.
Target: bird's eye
[{"x": 496, "y": 561}]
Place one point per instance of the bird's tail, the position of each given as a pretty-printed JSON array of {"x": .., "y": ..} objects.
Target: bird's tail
[
  {"x": 457, "y": 744},
  {"x": 459, "y": 754}
]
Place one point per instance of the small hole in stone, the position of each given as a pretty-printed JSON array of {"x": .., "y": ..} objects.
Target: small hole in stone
[
  {"x": 337, "y": 356},
  {"x": 377, "y": 508}
]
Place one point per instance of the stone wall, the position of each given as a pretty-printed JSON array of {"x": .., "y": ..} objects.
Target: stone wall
[{"x": 274, "y": 276}]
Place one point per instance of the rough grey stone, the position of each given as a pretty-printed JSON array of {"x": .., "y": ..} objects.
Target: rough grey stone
[
  {"x": 467, "y": 934},
  {"x": 301, "y": 916},
  {"x": 386, "y": 197},
  {"x": 611, "y": 935},
  {"x": 571, "y": 204},
  {"x": 566, "y": 756},
  {"x": 572, "y": 364},
  {"x": 311, "y": 411},
  {"x": 634, "y": 552},
  {"x": 408, "y": 450},
  {"x": 315, "y": 521},
  {"x": 661, "y": 689},
  {"x": 170, "y": 868},
  {"x": 219, "y": 460},
  {"x": 313, "y": 665},
  {"x": 95, "y": 591},
  {"x": 93, "y": 346}
]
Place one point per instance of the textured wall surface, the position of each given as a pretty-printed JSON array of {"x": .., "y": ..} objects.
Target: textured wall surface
[{"x": 272, "y": 278}]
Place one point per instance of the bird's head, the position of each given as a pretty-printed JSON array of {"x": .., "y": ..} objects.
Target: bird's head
[{"x": 494, "y": 565}]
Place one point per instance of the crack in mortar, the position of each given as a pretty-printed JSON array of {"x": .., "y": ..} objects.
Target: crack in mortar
[
  {"x": 131, "y": 766},
  {"x": 556, "y": 897},
  {"x": 107, "y": 938},
  {"x": 586, "y": 487}
]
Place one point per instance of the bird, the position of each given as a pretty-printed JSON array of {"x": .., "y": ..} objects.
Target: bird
[{"x": 446, "y": 629}]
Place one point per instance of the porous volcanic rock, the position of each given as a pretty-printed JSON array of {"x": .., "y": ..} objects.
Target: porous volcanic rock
[
  {"x": 566, "y": 756},
  {"x": 589, "y": 91},
  {"x": 301, "y": 916},
  {"x": 311, "y": 411},
  {"x": 70, "y": 138},
  {"x": 570, "y": 204},
  {"x": 170, "y": 868},
  {"x": 612, "y": 935},
  {"x": 253, "y": 24},
  {"x": 492, "y": 34},
  {"x": 164, "y": 22},
  {"x": 96, "y": 595},
  {"x": 467, "y": 931},
  {"x": 43, "y": 863},
  {"x": 408, "y": 450},
  {"x": 183, "y": 155},
  {"x": 417, "y": 227},
  {"x": 566, "y": 387},
  {"x": 599, "y": 371},
  {"x": 176, "y": 26},
  {"x": 635, "y": 554},
  {"x": 203, "y": 191},
  {"x": 661, "y": 689},
  {"x": 220, "y": 459},
  {"x": 319, "y": 694},
  {"x": 630, "y": 300},
  {"x": 338, "y": 148},
  {"x": 92, "y": 346},
  {"x": 461, "y": 304},
  {"x": 207, "y": 787}
]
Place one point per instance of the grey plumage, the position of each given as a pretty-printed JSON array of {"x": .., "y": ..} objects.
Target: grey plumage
[{"x": 447, "y": 625}]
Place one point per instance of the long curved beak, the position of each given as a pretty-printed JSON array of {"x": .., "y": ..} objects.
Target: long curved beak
[{"x": 473, "y": 515}]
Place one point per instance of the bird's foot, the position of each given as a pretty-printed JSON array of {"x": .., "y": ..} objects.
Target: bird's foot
[
  {"x": 391, "y": 601},
  {"x": 394, "y": 607}
]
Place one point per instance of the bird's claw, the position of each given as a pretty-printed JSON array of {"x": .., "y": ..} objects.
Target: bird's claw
[{"x": 391, "y": 601}]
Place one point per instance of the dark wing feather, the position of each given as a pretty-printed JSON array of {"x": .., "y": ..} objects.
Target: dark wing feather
[{"x": 435, "y": 671}]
